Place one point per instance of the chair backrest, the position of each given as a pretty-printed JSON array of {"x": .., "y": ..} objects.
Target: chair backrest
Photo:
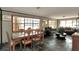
[
  {"x": 38, "y": 31},
  {"x": 28, "y": 31},
  {"x": 8, "y": 37}
]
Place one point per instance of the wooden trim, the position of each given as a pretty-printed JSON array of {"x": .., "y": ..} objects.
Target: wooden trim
[
  {"x": 12, "y": 22},
  {"x": 1, "y": 26}
]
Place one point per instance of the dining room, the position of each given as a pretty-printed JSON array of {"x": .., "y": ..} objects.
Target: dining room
[
  {"x": 31, "y": 29},
  {"x": 20, "y": 29}
]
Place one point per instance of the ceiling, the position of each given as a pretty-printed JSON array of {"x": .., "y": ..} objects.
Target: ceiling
[{"x": 52, "y": 12}]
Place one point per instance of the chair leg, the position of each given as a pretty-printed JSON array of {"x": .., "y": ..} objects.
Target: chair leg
[
  {"x": 31, "y": 45},
  {"x": 24, "y": 45},
  {"x": 13, "y": 47},
  {"x": 10, "y": 48},
  {"x": 20, "y": 46}
]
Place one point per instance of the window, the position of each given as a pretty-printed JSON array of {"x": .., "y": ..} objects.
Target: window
[
  {"x": 68, "y": 23},
  {"x": 18, "y": 23},
  {"x": 28, "y": 23},
  {"x": 62, "y": 23},
  {"x": 32, "y": 23},
  {"x": 36, "y": 23},
  {"x": 74, "y": 23},
  {"x": 78, "y": 23},
  {"x": 25, "y": 23},
  {"x": 52, "y": 23}
]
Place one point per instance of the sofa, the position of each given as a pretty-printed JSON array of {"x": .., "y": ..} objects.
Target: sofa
[{"x": 67, "y": 30}]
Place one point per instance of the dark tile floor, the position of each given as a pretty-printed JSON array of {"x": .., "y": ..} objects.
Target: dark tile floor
[
  {"x": 54, "y": 44},
  {"x": 49, "y": 44}
]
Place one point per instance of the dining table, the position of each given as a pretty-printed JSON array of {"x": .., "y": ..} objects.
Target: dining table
[{"x": 19, "y": 37}]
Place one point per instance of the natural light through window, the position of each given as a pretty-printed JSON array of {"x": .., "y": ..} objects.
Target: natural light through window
[{"x": 25, "y": 23}]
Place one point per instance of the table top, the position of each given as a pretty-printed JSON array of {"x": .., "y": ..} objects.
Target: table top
[{"x": 23, "y": 34}]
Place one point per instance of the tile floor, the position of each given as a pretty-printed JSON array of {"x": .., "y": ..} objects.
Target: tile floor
[{"x": 49, "y": 44}]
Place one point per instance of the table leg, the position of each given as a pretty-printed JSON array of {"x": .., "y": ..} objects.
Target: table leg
[
  {"x": 13, "y": 46},
  {"x": 20, "y": 45}
]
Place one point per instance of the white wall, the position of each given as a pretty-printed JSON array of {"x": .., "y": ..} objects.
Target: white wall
[{"x": 6, "y": 27}]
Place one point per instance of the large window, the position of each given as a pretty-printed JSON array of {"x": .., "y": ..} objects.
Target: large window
[
  {"x": 25, "y": 23},
  {"x": 68, "y": 23}
]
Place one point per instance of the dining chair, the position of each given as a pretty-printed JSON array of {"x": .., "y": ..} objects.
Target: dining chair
[
  {"x": 11, "y": 42},
  {"x": 38, "y": 39},
  {"x": 38, "y": 35},
  {"x": 27, "y": 39}
]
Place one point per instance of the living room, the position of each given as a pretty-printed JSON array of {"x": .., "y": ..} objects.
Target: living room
[{"x": 57, "y": 26}]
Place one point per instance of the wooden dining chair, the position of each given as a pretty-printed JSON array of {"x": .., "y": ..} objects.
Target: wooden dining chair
[
  {"x": 38, "y": 39},
  {"x": 11, "y": 43},
  {"x": 27, "y": 39},
  {"x": 42, "y": 34},
  {"x": 38, "y": 35}
]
